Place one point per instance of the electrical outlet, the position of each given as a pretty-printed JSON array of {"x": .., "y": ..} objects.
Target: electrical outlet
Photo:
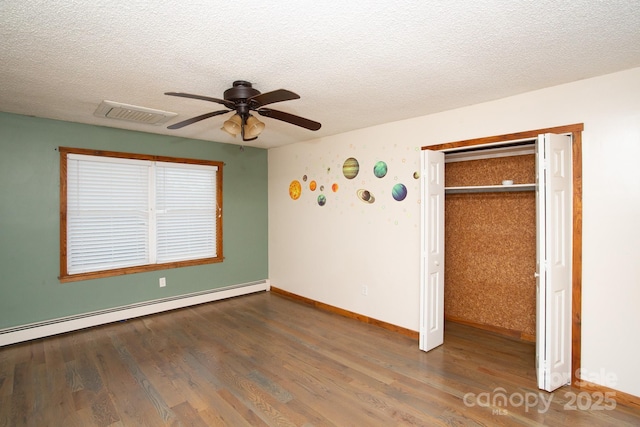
[
  {"x": 163, "y": 282},
  {"x": 365, "y": 290}
]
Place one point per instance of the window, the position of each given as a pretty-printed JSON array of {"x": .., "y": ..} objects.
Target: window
[{"x": 125, "y": 213}]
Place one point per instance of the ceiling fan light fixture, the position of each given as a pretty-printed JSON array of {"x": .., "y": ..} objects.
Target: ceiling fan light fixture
[
  {"x": 222, "y": 128},
  {"x": 233, "y": 125},
  {"x": 243, "y": 98},
  {"x": 253, "y": 127}
]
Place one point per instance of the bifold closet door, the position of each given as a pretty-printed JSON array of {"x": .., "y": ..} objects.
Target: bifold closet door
[
  {"x": 554, "y": 260},
  {"x": 432, "y": 248}
]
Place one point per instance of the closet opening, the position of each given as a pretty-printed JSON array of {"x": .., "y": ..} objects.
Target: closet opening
[
  {"x": 490, "y": 238},
  {"x": 495, "y": 178}
]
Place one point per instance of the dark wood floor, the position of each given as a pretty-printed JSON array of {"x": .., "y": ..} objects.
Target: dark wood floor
[{"x": 264, "y": 360}]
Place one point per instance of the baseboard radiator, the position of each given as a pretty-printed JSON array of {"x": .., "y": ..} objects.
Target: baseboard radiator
[{"x": 86, "y": 320}]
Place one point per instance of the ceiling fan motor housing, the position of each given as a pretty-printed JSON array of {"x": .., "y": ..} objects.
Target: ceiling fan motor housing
[{"x": 241, "y": 90}]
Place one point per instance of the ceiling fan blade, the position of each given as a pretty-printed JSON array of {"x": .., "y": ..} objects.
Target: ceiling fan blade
[
  {"x": 197, "y": 119},
  {"x": 228, "y": 104},
  {"x": 289, "y": 118},
  {"x": 279, "y": 95}
]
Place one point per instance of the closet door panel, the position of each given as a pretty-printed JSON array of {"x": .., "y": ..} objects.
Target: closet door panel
[
  {"x": 432, "y": 264},
  {"x": 554, "y": 264}
]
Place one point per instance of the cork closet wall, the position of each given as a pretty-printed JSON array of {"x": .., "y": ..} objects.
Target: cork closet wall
[{"x": 490, "y": 241}]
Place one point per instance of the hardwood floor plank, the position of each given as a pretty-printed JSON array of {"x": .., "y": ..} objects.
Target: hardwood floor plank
[
  {"x": 129, "y": 398},
  {"x": 103, "y": 410},
  {"x": 265, "y": 360},
  {"x": 155, "y": 398},
  {"x": 165, "y": 365},
  {"x": 251, "y": 350},
  {"x": 246, "y": 412},
  {"x": 260, "y": 402},
  {"x": 73, "y": 377},
  {"x": 6, "y": 380},
  {"x": 188, "y": 416},
  {"x": 6, "y": 403}
]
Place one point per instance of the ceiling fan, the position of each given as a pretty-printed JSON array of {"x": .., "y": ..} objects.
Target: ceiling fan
[{"x": 243, "y": 98}]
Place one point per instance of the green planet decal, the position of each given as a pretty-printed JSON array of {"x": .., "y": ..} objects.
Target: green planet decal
[
  {"x": 399, "y": 192},
  {"x": 380, "y": 169}
]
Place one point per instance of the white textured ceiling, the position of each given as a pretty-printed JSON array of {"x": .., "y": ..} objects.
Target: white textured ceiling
[{"x": 354, "y": 63}]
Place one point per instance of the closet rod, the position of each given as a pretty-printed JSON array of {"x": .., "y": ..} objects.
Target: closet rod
[{"x": 489, "y": 188}]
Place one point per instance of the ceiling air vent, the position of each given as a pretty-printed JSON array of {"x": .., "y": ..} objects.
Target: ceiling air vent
[{"x": 132, "y": 113}]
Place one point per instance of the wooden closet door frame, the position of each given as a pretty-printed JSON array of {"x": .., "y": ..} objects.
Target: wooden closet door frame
[{"x": 576, "y": 295}]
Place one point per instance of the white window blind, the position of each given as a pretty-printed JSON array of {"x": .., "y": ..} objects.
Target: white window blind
[
  {"x": 185, "y": 212},
  {"x": 124, "y": 212}
]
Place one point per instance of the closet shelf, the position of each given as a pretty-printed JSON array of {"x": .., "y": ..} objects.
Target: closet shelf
[{"x": 489, "y": 188}]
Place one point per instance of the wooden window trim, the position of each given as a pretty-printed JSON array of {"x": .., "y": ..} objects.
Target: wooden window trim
[{"x": 65, "y": 277}]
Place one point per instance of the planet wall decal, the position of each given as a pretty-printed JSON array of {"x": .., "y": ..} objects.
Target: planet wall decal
[
  {"x": 399, "y": 192},
  {"x": 312, "y": 186},
  {"x": 380, "y": 169},
  {"x": 365, "y": 196},
  {"x": 350, "y": 168},
  {"x": 295, "y": 189},
  {"x": 334, "y": 187},
  {"x": 322, "y": 200}
]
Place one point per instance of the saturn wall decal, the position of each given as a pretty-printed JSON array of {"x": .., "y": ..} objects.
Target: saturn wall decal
[{"x": 365, "y": 196}]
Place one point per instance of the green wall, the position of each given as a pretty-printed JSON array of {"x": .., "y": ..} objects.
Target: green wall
[{"x": 29, "y": 220}]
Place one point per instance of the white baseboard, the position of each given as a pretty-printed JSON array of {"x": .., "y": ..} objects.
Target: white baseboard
[{"x": 72, "y": 323}]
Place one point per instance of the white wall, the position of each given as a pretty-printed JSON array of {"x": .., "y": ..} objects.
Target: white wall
[{"x": 327, "y": 253}]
